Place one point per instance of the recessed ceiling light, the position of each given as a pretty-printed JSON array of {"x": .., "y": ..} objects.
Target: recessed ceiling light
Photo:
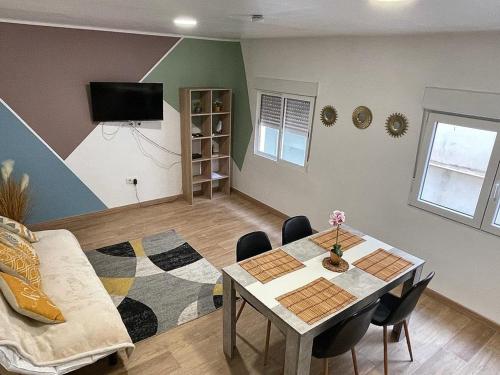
[
  {"x": 395, "y": 2},
  {"x": 256, "y": 17},
  {"x": 185, "y": 22}
]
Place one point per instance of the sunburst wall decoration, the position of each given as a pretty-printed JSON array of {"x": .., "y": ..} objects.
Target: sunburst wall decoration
[
  {"x": 396, "y": 125},
  {"x": 329, "y": 115},
  {"x": 362, "y": 117}
]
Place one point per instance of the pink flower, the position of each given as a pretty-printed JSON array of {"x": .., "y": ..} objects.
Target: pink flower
[{"x": 337, "y": 218}]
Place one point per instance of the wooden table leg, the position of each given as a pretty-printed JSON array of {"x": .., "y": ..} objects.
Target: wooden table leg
[
  {"x": 229, "y": 316},
  {"x": 396, "y": 330},
  {"x": 298, "y": 353}
]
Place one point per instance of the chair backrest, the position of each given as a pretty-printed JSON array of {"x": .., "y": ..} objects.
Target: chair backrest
[
  {"x": 345, "y": 335},
  {"x": 408, "y": 302},
  {"x": 295, "y": 228},
  {"x": 252, "y": 244}
]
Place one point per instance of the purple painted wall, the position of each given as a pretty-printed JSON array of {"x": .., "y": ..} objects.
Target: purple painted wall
[{"x": 44, "y": 73}]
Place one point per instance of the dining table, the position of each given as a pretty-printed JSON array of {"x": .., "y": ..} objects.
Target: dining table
[{"x": 290, "y": 286}]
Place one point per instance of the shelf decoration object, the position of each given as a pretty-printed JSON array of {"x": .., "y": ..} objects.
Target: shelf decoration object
[
  {"x": 218, "y": 128},
  {"x": 218, "y": 106},
  {"x": 206, "y": 142},
  {"x": 362, "y": 117},
  {"x": 335, "y": 262},
  {"x": 396, "y": 125},
  {"x": 328, "y": 115},
  {"x": 196, "y": 107}
]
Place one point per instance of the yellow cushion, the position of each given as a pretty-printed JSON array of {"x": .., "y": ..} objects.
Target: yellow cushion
[
  {"x": 17, "y": 228},
  {"x": 28, "y": 300},
  {"x": 19, "y": 244},
  {"x": 17, "y": 264}
]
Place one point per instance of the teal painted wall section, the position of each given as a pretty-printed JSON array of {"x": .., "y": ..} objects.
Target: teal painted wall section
[
  {"x": 208, "y": 63},
  {"x": 57, "y": 192}
]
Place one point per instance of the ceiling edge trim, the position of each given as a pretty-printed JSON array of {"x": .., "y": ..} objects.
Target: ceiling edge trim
[{"x": 124, "y": 31}]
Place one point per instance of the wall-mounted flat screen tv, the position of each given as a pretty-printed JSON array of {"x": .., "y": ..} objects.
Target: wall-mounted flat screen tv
[{"x": 126, "y": 101}]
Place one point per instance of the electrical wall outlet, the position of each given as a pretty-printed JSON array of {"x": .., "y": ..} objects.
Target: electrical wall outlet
[{"x": 130, "y": 180}]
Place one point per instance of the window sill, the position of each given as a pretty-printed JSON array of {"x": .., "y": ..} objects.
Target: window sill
[
  {"x": 282, "y": 163},
  {"x": 447, "y": 218}
]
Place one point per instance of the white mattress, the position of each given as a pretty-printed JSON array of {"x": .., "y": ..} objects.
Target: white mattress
[
  {"x": 12, "y": 361},
  {"x": 93, "y": 327}
]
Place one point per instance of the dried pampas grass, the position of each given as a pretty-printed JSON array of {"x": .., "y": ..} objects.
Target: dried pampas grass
[{"x": 15, "y": 202}]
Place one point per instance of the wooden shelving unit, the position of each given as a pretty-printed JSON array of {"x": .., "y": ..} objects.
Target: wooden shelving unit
[{"x": 209, "y": 175}]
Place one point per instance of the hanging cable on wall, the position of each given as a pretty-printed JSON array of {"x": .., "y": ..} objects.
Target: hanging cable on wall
[
  {"x": 153, "y": 142},
  {"x": 137, "y": 138},
  {"x": 109, "y": 136},
  {"x": 138, "y": 135}
]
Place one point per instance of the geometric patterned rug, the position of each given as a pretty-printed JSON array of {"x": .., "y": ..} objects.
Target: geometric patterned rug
[{"x": 157, "y": 282}]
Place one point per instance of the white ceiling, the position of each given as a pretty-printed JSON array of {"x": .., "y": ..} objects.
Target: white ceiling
[{"x": 283, "y": 18}]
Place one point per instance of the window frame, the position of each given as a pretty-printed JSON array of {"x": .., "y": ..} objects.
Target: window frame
[
  {"x": 483, "y": 213},
  {"x": 279, "y": 156},
  {"x": 257, "y": 127},
  {"x": 493, "y": 207}
]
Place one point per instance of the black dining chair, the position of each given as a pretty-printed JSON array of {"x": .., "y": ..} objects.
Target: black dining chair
[
  {"x": 394, "y": 310},
  {"x": 344, "y": 336},
  {"x": 250, "y": 245},
  {"x": 295, "y": 228}
]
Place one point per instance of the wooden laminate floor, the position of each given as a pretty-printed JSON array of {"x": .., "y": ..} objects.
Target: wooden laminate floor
[{"x": 444, "y": 340}]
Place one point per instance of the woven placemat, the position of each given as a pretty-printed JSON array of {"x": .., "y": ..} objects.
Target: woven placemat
[
  {"x": 316, "y": 300},
  {"x": 383, "y": 264},
  {"x": 346, "y": 239},
  {"x": 270, "y": 265}
]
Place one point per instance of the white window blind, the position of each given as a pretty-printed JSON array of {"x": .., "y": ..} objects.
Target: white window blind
[
  {"x": 284, "y": 127},
  {"x": 270, "y": 111},
  {"x": 297, "y": 115}
]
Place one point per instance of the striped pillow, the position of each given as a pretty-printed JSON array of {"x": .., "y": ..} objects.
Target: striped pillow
[
  {"x": 19, "y": 244},
  {"x": 28, "y": 300},
  {"x": 19, "y": 265},
  {"x": 17, "y": 228}
]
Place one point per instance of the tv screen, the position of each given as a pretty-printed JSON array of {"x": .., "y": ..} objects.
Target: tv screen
[{"x": 126, "y": 101}]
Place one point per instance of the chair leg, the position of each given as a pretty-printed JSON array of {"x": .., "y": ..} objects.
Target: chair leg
[
  {"x": 386, "y": 370},
  {"x": 354, "y": 361},
  {"x": 325, "y": 366},
  {"x": 405, "y": 325},
  {"x": 240, "y": 310},
  {"x": 268, "y": 334}
]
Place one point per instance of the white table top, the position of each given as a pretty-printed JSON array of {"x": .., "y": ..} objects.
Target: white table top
[{"x": 356, "y": 281}]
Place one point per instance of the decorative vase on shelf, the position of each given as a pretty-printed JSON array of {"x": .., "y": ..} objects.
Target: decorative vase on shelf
[{"x": 217, "y": 106}]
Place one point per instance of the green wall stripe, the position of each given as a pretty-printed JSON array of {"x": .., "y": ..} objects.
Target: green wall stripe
[{"x": 208, "y": 63}]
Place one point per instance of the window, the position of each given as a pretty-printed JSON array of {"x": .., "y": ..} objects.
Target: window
[
  {"x": 457, "y": 171},
  {"x": 283, "y": 127}
]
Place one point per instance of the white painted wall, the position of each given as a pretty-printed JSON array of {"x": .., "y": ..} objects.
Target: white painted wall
[
  {"x": 366, "y": 172},
  {"x": 103, "y": 165}
]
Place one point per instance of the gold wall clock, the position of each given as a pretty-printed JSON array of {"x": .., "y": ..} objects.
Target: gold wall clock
[
  {"x": 396, "y": 125},
  {"x": 328, "y": 115},
  {"x": 362, "y": 117}
]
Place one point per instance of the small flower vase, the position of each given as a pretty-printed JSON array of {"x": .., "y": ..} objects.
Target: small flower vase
[{"x": 336, "y": 254}]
